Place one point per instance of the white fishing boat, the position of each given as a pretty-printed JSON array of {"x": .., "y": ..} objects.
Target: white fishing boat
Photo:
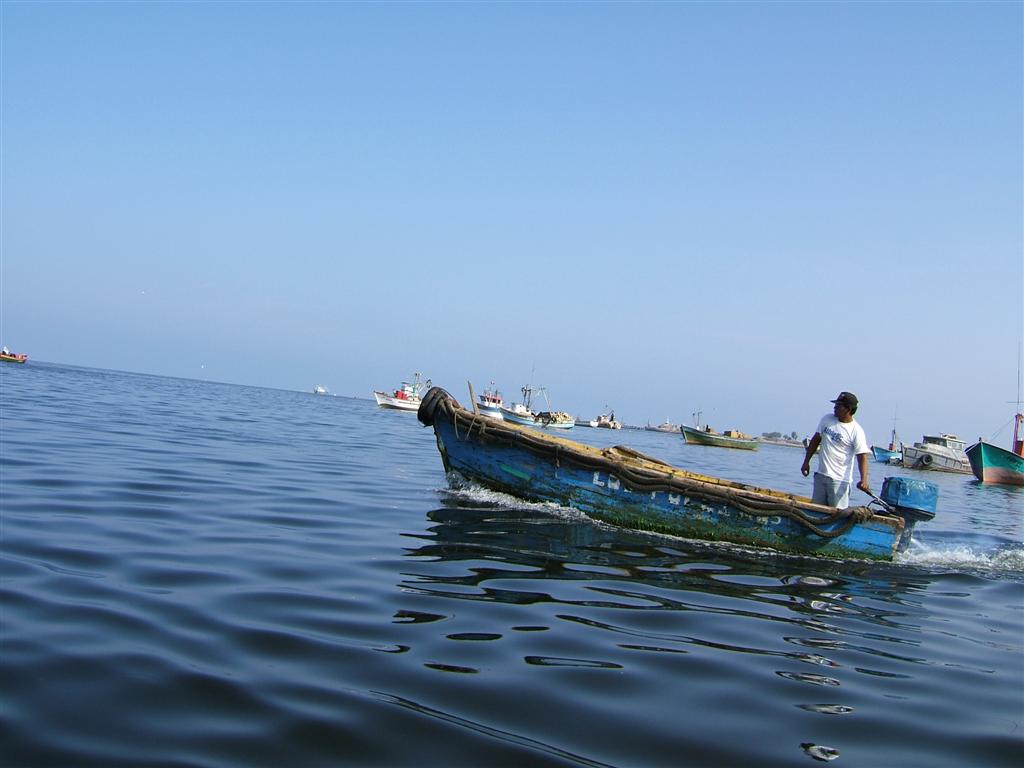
[
  {"x": 491, "y": 402},
  {"x": 522, "y": 413},
  {"x": 406, "y": 397},
  {"x": 942, "y": 452},
  {"x": 320, "y": 389}
]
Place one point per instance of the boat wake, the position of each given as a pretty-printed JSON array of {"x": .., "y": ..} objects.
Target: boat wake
[
  {"x": 468, "y": 494},
  {"x": 965, "y": 552},
  {"x": 934, "y": 550}
]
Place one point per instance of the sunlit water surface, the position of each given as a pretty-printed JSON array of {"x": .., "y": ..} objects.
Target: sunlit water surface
[{"x": 200, "y": 574}]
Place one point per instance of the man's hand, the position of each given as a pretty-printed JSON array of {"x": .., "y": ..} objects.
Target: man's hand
[{"x": 863, "y": 485}]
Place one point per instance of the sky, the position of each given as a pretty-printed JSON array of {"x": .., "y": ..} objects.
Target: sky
[{"x": 657, "y": 208}]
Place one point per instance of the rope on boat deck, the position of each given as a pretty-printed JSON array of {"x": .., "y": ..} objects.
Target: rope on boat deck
[{"x": 642, "y": 479}]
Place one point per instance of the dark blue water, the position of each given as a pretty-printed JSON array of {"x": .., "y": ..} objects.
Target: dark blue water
[{"x": 199, "y": 574}]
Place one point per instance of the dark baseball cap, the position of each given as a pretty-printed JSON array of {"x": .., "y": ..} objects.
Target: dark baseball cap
[{"x": 848, "y": 399}]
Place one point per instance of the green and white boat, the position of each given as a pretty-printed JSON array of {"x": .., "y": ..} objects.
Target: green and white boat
[
  {"x": 992, "y": 464},
  {"x": 728, "y": 439}
]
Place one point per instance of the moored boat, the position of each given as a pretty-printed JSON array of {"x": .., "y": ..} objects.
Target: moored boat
[
  {"x": 491, "y": 402},
  {"x": 891, "y": 455},
  {"x": 728, "y": 439},
  {"x": 606, "y": 421},
  {"x": 406, "y": 397},
  {"x": 885, "y": 456},
  {"x": 522, "y": 413},
  {"x": 665, "y": 426},
  {"x": 992, "y": 464},
  {"x": 622, "y": 486},
  {"x": 942, "y": 452}
]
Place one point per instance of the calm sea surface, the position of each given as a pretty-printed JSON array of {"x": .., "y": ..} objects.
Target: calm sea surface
[{"x": 200, "y": 574}]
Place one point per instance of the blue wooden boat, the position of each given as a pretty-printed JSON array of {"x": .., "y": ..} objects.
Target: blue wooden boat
[
  {"x": 885, "y": 455},
  {"x": 891, "y": 455},
  {"x": 624, "y": 487}
]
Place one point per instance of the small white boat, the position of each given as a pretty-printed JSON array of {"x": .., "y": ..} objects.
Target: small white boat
[
  {"x": 320, "y": 389},
  {"x": 604, "y": 421},
  {"x": 406, "y": 397},
  {"x": 942, "y": 452}
]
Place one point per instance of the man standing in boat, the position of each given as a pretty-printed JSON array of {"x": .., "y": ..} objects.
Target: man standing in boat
[{"x": 841, "y": 439}]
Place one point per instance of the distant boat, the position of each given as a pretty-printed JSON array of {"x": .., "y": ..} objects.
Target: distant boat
[
  {"x": 606, "y": 421},
  {"x": 522, "y": 413},
  {"x": 894, "y": 453},
  {"x": 491, "y": 402},
  {"x": 12, "y": 357},
  {"x": 665, "y": 426},
  {"x": 992, "y": 464},
  {"x": 320, "y": 389},
  {"x": 406, "y": 397},
  {"x": 728, "y": 439},
  {"x": 891, "y": 455},
  {"x": 885, "y": 456},
  {"x": 943, "y": 452},
  {"x": 624, "y": 487}
]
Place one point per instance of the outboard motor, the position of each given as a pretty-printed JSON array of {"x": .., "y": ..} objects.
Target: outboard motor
[{"x": 913, "y": 500}]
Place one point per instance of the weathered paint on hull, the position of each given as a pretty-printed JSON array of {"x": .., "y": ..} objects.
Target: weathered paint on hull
[
  {"x": 992, "y": 464},
  {"x": 603, "y": 496},
  {"x": 698, "y": 437}
]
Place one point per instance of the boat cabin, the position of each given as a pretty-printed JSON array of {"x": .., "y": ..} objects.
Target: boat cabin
[{"x": 949, "y": 441}]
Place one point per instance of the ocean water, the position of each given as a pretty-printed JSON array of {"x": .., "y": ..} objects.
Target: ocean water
[{"x": 202, "y": 574}]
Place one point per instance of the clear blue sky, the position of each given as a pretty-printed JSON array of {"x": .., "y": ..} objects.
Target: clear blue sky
[{"x": 738, "y": 207}]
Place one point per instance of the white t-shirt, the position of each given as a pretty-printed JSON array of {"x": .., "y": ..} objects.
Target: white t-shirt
[{"x": 840, "y": 443}]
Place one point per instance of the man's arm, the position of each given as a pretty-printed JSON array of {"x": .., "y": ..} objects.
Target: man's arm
[
  {"x": 862, "y": 463},
  {"x": 811, "y": 448}
]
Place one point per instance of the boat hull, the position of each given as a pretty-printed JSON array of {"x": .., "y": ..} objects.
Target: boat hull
[
  {"x": 622, "y": 487},
  {"x": 13, "y": 358},
  {"x": 699, "y": 437},
  {"x": 991, "y": 464},
  {"x": 915, "y": 457}
]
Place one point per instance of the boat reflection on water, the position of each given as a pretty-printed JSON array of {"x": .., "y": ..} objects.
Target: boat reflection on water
[{"x": 493, "y": 543}]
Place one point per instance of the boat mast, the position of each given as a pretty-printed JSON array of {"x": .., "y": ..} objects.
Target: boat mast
[
  {"x": 527, "y": 393},
  {"x": 1018, "y": 417},
  {"x": 892, "y": 438}
]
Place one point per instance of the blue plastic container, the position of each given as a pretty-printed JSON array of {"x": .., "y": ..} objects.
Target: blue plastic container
[{"x": 911, "y": 494}]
